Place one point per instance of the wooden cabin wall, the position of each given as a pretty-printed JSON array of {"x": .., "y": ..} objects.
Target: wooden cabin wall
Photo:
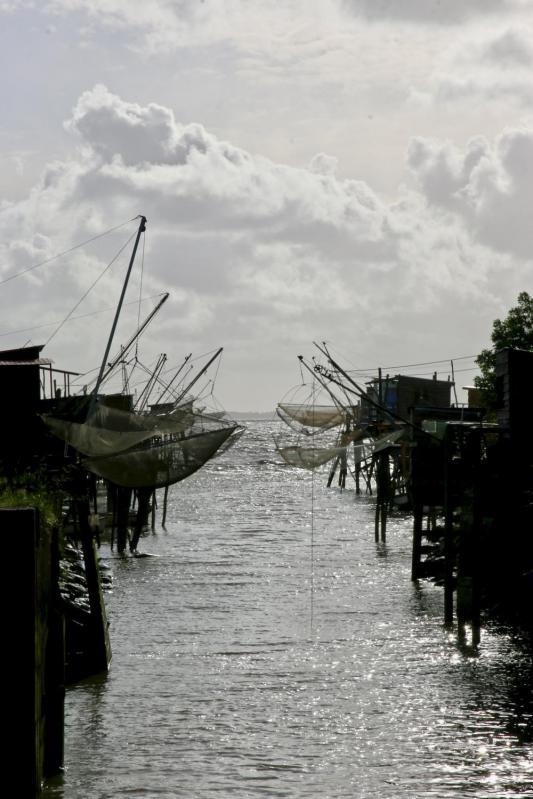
[
  {"x": 514, "y": 381},
  {"x": 417, "y": 391},
  {"x": 19, "y": 401}
]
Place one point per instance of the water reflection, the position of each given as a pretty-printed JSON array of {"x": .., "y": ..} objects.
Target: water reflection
[
  {"x": 382, "y": 550},
  {"x": 218, "y": 689}
]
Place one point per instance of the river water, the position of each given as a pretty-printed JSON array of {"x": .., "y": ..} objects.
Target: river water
[{"x": 272, "y": 649}]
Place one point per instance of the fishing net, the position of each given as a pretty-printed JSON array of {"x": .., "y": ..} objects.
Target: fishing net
[
  {"x": 110, "y": 430},
  {"x": 363, "y": 452},
  {"x": 162, "y": 462},
  {"x": 309, "y": 457},
  {"x": 308, "y": 415}
]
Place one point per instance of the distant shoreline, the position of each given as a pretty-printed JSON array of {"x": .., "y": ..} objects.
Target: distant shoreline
[{"x": 252, "y": 416}]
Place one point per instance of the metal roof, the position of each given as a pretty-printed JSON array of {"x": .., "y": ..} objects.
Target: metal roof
[{"x": 36, "y": 362}]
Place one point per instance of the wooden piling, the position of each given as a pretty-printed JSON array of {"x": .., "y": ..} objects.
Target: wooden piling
[
  {"x": 98, "y": 645},
  {"x": 165, "y": 500},
  {"x": 33, "y": 719},
  {"x": 332, "y": 471},
  {"x": 143, "y": 510},
  {"x": 382, "y": 495},
  {"x": 123, "y": 500},
  {"x": 54, "y": 700},
  {"x": 154, "y": 507},
  {"x": 449, "y": 548},
  {"x": 417, "y": 541}
]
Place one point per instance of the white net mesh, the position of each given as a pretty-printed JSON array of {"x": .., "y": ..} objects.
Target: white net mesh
[
  {"x": 161, "y": 462},
  {"x": 110, "y": 430},
  {"x": 309, "y": 457}
]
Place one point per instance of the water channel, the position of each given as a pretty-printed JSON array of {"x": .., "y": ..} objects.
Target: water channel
[{"x": 271, "y": 648}]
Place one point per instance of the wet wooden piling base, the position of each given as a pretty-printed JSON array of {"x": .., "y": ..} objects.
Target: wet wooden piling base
[
  {"x": 451, "y": 560},
  {"x": 33, "y": 664},
  {"x": 98, "y": 655},
  {"x": 126, "y": 513},
  {"x": 383, "y": 495}
]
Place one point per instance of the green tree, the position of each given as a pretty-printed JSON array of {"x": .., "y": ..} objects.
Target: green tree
[{"x": 516, "y": 330}]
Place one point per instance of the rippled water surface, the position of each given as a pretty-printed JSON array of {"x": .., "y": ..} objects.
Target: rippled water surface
[{"x": 272, "y": 649}]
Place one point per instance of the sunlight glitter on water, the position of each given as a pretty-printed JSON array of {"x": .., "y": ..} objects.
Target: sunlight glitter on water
[{"x": 222, "y": 684}]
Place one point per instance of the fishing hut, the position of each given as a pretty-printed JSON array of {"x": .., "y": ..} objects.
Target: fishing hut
[
  {"x": 389, "y": 399},
  {"x": 513, "y": 400},
  {"x": 391, "y": 408},
  {"x": 472, "y": 483},
  {"x": 38, "y": 483}
]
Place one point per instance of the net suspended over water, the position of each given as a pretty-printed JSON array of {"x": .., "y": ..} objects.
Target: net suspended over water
[
  {"x": 309, "y": 457},
  {"x": 146, "y": 450},
  {"x": 162, "y": 462},
  {"x": 309, "y": 415},
  {"x": 110, "y": 430}
]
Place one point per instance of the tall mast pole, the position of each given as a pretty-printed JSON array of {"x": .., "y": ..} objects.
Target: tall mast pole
[
  {"x": 142, "y": 228},
  {"x": 198, "y": 376},
  {"x": 123, "y": 350}
]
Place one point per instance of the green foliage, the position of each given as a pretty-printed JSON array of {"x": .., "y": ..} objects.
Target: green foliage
[
  {"x": 32, "y": 490},
  {"x": 516, "y": 331}
]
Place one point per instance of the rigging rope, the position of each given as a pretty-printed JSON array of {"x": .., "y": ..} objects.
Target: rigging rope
[
  {"x": 65, "y": 252},
  {"x": 100, "y": 276},
  {"x": 312, "y": 609},
  {"x": 73, "y": 318}
]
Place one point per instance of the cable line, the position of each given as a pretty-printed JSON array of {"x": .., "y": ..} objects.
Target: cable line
[
  {"x": 65, "y": 252},
  {"x": 100, "y": 276}
]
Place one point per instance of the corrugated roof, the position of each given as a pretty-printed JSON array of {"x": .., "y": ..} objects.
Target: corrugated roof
[{"x": 36, "y": 362}]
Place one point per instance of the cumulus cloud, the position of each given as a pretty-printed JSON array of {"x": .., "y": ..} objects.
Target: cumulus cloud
[
  {"x": 487, "y": 186},
  {"x": 258, "y": 254}
]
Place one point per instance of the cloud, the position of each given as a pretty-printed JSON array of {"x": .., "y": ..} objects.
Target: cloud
[
  {"x": 513, "y": 47},
  {"x": 426, "y": 11},
  {"x": 257, "y": 255},
  {"x": 493, "y": 64},
  {"x": 487, "y": 187},
  {"x": 117, "y": 128}
]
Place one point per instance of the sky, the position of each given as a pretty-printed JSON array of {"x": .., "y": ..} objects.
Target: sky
[{"x": 358, "y": 172}]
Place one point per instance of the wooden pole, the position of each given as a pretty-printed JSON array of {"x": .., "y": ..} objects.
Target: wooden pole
[
  {"x": 154, "y": 506},
  {"x": 449, "y": 546},
  {"x": 332, "y": 471},
  {"x": 123, "y": 500},
  {"x": 417, "y": 541},
  {"x": 143, "y": 503},
  {"x": 54, "y": 700},
  {"x": 25, "y": 596},
  {"x": 99, "y": 655},
  {"x": 164, "y": 519},
  {"x": 141, "y": 229}
]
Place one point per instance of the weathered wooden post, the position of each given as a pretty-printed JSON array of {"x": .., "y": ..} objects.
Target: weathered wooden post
[
  {"x": 332, "y": 471},
  {"x": 154, "y": 507},
  {"x": 27, "y": 593},
  {"x": 475, "y": 541},
  {"x": 343, "y": 470},
  {"x": 99, "y": 654},
  {"x": 382, "y": 495},
  {"x": 54, "y": 700},
  {"x": 417, "y": 540},
  {"x": 357, "y": 478},
  {"x": 123, "y": 499},
  {"x": 143, "y": 510},
  {"x": 165, "y": 500},
  {"x": 449, "y": 545}
]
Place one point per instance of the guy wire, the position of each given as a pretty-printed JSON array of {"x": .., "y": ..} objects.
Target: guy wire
[{"x": 312, "y": 581}]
